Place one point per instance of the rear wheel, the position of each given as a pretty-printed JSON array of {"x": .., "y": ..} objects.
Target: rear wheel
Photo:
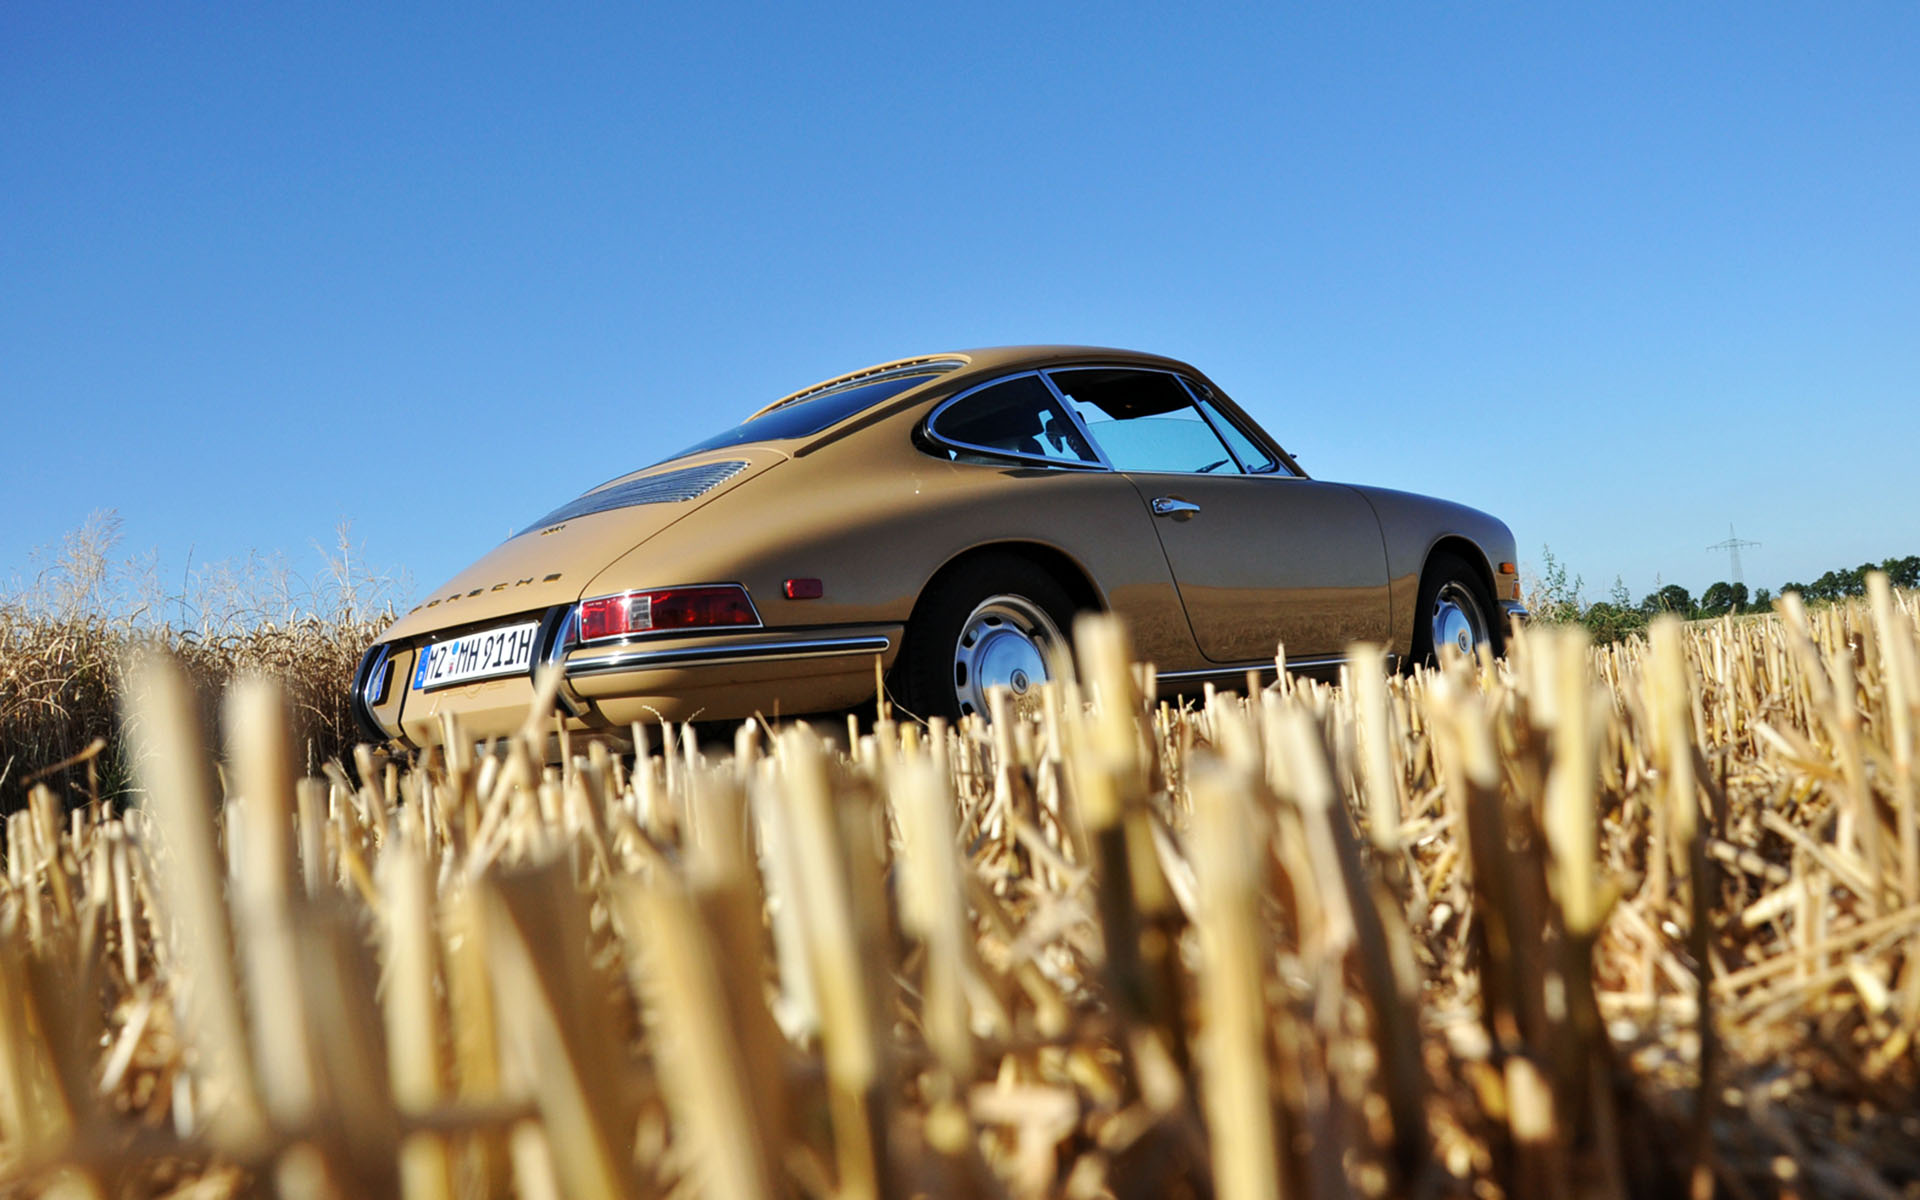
[
  {"x": 1454, "y": 610},
  {"x": 995, "y": 621}
]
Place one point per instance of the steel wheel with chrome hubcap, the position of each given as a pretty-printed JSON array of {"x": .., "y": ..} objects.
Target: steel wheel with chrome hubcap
[
  {"x": 1006, "y": 641},
  {"x": 1453, "y": 611},
  {"x": 993, "y": 619},
  {"x": 1458, "y": 620}
]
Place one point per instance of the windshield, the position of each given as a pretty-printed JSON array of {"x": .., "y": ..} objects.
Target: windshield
[{"x": 804, "y": 418}]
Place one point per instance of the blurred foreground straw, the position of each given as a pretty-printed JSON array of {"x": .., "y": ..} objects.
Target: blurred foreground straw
[{"x": 1634, "y": 921}]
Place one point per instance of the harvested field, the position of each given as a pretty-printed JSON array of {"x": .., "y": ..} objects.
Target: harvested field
[
  {"x": 66, "y": 633},
  {"x": 1637, "y": 921},
  {"x": 60, "y": 688}
]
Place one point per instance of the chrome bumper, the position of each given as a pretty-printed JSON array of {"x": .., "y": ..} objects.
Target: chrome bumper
[
  {"x": 729, "y": 675},
  {"x": 784, "y": 648},
  {"x": 681, "y": 676},
  {"x": 1515, "y": 611}
]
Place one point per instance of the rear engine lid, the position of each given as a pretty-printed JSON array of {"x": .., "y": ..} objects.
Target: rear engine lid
[{"x": 550, "y": 561}]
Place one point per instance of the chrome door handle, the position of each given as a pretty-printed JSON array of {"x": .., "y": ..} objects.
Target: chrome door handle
[{"x": 1169, "y": 506}]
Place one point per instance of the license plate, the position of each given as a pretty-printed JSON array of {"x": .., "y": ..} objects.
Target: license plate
[{"x": 504, "y": 651}]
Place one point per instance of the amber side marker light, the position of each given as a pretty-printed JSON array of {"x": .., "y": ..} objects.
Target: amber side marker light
[
  {"x": 1509, "y": 569},
  {"x": 663, "y": 609},
  {"x": 803, "y": 589}
]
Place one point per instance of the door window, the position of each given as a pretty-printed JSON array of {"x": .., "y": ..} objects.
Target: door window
[{"x": 1144, "y": 421}]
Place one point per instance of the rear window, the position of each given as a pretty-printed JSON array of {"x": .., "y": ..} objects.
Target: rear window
[{"x": 804, "y": 418}]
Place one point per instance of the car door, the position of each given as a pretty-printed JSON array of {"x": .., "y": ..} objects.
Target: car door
[
  {"x": 1065, "y": 498},
  {"x": 1261, "y": 557}
]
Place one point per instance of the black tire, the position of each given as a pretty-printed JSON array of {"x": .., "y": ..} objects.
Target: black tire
[
  {"x": 929, "y": 681},
  {"x": 1450, "y": 579}
]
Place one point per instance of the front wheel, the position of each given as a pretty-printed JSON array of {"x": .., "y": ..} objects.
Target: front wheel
[
  {"x": 1454, "y": 610},
  {"x": 994, "y": 622}
]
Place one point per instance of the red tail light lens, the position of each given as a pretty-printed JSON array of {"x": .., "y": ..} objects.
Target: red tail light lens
[{"x": 664, "y": 609}]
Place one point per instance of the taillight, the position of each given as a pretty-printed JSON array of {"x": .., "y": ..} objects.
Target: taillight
[{"x": 662, "y": 609}]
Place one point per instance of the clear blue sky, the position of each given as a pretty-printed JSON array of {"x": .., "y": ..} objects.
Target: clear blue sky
[{"x": 1620, "y": 276}]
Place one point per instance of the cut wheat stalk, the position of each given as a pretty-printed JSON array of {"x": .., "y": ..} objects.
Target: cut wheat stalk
[{"x": 1593, "y": 921}]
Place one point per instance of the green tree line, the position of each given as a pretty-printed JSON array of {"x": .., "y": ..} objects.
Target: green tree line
[{"x": 1558, "y": 599}]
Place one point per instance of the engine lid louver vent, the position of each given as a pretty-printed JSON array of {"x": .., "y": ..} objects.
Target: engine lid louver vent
[{"x": 668, "y": 487}]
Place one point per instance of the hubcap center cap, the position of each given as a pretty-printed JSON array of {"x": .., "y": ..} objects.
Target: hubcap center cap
[
  {"x": 1006, "y": 658},
  {"x": 1004, "y": 643},
  {"x": 1457, "y": 621}
]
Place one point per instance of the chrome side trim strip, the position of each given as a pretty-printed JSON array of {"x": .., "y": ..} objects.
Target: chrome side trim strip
[
  {"x": 1335, "y": 660},
  {"x": 731, "y": 652}
]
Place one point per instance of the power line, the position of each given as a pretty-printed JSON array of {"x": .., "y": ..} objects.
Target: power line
[{"x": 1733, "y": 545}]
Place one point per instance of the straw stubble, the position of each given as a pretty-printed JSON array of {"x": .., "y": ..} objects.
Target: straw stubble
[{"x": 1584, "y": 921}]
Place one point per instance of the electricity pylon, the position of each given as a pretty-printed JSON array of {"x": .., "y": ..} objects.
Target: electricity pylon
[{"x": 1732, "y": 546}]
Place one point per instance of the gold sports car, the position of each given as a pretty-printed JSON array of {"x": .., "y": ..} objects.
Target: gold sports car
[{"x": 948, "y": 514}]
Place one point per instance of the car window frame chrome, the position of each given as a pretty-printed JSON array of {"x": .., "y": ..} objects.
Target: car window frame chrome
[
  {"x": 1283, "y": 465},
  {"x": 927, "y": 426},
  {"x": 1079, "y": 422},
  {"x": 1215, "y": 419}
]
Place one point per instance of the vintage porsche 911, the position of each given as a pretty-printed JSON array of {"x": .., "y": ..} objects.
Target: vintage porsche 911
[{"x": 948, "y": 515}]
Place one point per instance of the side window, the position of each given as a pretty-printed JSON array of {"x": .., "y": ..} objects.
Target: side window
[
  {"x": 1256, "y": 460},
  {"x": 1014, "y": 416},
  {"x": 1144, "y": 421}
]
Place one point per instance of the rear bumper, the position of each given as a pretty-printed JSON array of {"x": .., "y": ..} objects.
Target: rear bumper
[
  {"x": 714, "y": 676},
  {"x": 629, "y": 662}
]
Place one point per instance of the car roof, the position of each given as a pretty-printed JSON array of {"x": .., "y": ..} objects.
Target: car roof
[{"x": 982, "y": 361}]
